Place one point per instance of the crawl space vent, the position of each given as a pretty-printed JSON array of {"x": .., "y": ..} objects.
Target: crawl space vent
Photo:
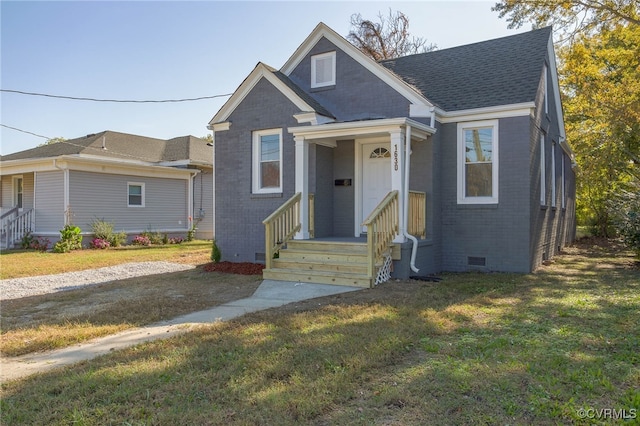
[{"x": 476, "y": 261}]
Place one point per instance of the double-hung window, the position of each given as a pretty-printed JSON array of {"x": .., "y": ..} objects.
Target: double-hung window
[
  {"x": 323, "y": 70},
  {"x": 478, "y": 162},
  {"x": 135, "y": 194},
  {"x": 18, "y": 191},
  {"x": 267, "y": 161}
]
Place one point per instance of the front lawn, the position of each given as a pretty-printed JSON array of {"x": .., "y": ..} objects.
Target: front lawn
[{"x": 560, "y": 346}]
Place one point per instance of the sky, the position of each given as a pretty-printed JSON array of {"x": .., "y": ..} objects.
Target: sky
[{"x": 164, "y": 50}]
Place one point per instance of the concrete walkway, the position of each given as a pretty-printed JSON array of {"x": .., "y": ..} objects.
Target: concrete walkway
[{"x": 269, "y": 294}]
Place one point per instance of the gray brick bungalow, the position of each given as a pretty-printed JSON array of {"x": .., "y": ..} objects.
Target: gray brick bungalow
[{"x": 477, "y": 131}]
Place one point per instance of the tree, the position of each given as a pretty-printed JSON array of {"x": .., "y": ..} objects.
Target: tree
[
  {"x": 52, "y": 141},
  {"x": 389, "y": 38},
  {"x": 599, "y": 72},
  {"x": 569, "y": 16}
]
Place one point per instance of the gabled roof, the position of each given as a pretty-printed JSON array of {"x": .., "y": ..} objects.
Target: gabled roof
[
  {"x": 123, "y": 146},
  {"x": 288, "y": 88},
  {"x": 503, "y": 71}
]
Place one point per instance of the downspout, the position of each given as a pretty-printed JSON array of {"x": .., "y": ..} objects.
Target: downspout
[
  {"x": 65, "y": 190},
  {"x": 407, "y": 162}
]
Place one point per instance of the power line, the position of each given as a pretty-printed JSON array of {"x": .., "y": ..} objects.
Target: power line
[
  {"x": 73, "y": 98},
  {"x": 24, "y": 131}
]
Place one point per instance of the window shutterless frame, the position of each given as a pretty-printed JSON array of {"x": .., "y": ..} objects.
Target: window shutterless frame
[
  {"x": 323, "y": 70},
  {"x": 135, "y": 194},
  {"x": 478, "y": 162},
  {"x": 267, "y": 161}
]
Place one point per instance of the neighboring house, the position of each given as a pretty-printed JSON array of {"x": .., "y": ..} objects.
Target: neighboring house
[
  {"x": 137, "y": 183},
  {"x": 340, "y": 153}
]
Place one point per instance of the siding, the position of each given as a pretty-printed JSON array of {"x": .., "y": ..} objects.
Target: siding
[
  {"x": 104, "y": 196},
  {"x": 344, "y": 196},
  {"x": 324, "y": 190},
  {"x": 49, "y": 197},
  {"x": 203, "y": 203},
  {"x": 6, "y": 192}
]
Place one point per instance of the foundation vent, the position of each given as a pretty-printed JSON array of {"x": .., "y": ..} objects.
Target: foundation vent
[{"x": 476, "y": 261}]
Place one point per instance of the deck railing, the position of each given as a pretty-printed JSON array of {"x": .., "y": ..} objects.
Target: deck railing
[
  {"x": 15, "y": 225},
  {"x": 417, "y": 225},
  {"x": 280, "y": 227},
  {"x": 382, "y": 228}
]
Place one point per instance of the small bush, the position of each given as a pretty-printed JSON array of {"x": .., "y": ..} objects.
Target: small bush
[
  {"x": 216, "y": 254},
  {"x": 29, "y": 242},
  {"x": 99, "y": 243},
  {"x": 118, "y": 239},
  {"x": 70, "y": 239},
  {"x": 104, "y": 230},
  {"x": 176, "y": 240},
  {"x": 141, "y": 240},
  {"x": 154, "y": 237}
]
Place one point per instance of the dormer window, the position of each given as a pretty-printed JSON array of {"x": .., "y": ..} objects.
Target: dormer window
[{"x": 323, "y": 70}]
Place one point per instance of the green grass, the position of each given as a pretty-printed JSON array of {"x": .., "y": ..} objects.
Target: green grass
[
  {"x": 472, "y": 349},
  {"x": 25, "y": 263}
]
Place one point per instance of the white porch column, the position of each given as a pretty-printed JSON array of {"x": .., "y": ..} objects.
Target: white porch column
[
  {"x": 397, "y": 177},
  {"x": 302, "y": 185}
]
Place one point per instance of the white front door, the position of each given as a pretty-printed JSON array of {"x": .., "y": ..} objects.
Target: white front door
[{"x": 376, "y": 176}]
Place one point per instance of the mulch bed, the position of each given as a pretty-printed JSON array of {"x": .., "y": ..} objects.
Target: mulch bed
[{"x": 242, "y": 268}]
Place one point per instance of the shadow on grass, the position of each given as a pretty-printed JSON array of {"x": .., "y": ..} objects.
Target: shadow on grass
[{"x": 473, "y": 349}]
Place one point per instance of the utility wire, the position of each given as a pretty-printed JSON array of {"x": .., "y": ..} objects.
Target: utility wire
[
  {"x": 131, "y": 101},
  {"x": 24, "y": 131}
]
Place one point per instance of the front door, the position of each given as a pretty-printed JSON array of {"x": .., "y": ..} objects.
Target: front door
[{"x": 376, "y": 176}]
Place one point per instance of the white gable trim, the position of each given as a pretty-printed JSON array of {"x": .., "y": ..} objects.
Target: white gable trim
[
  {"x": 488, "y": 113},
  {"x": 322, "y": 30},
  {"x": 259, "y": 72},
  {"x": 555, "y": 86}
]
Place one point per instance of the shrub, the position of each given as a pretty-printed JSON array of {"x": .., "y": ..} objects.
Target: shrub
[
  {"x": 29, "y": 242},
  {"x": 70, "y": 239},
  {"x": 176, "y": 240},
  {"x": 104, "y": 230},
  {"x": 154, "y": 237},
  {"x": 141, "y": 240},
  {"x": 216, "y": 254},
  {"x": 99, "y": 243}
]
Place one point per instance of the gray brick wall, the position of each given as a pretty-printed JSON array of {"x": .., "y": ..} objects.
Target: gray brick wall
[
  {"x": 357, "y": 94},
  {"x": 239, "y": 214}
]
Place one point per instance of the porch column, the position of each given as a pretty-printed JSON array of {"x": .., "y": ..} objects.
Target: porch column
[
  {"x": 397, "y": 177},
  {"x": 302, "y": 185}
]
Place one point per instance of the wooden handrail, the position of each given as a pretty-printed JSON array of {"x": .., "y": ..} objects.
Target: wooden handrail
[
  {"x": 281, "y": 226},
  {"x": 382, "y": 227},
  {"x": 417, "y": 225},
  {"x": 15, "y": 229}
]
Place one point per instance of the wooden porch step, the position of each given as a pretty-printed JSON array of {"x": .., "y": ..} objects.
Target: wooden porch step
[
  {"x": 317, "y": 277},
  {"x": 321, "y": 262},
  {"x": 349, "y": 267}
]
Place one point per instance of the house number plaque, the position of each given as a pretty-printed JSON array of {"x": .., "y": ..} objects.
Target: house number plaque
[{"x": 395, "y": 157}]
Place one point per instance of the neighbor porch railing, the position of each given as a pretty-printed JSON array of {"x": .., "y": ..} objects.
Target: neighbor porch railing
[
  {"x": 417, "y": 225},
  {"x": 283, "y": 224},
  {"x": 15, "y": 225},
  {"x": 382, "y": 228}
]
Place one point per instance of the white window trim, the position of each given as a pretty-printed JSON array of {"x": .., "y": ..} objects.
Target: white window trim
[
  {"x": 562, "y": 188},
  {"x": 314, "y": 59},
  {"x": 545, "y": 89},
  {"x": 543, "y": 171},
  {"x": 462, "y": 199},
  {"x": 140, "y": 184},
  {"x": 256, "y": 189},
  {"x": 553, "y": 174},
  {"x": 14, "y": 192}
]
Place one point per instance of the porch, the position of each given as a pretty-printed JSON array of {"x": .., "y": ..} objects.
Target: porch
[{"x": 362, "y": 261}]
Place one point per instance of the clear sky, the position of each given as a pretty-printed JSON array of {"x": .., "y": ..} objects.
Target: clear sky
[{"x": 148, "y": 50}]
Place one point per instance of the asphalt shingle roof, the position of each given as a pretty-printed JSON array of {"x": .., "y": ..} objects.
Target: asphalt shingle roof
[
  {"x": 123, "y": 146},
  {"x": 502, "y": 71}
]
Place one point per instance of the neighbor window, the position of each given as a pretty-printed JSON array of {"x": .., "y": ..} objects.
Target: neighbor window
[
  {"x": 323, "y": 70},
  {"x": 135, "y": 194},
  {"x": 267, "y": 161},
  {"x": 478, "y": 162},
  {"x": 17, "y": 191}
]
